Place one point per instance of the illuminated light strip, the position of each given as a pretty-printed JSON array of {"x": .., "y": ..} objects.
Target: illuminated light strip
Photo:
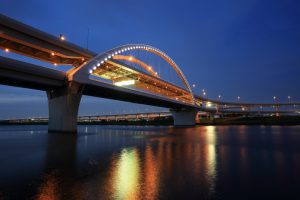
[{"x": 125, "y": 83}]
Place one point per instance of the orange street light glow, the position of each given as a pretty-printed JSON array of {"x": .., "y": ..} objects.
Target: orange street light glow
[{"x": 62, "y": 37}]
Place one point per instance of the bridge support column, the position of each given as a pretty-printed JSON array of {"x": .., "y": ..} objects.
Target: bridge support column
[
  {"x": 184, "y": 117},
  {"x": 63, "y": 106}
]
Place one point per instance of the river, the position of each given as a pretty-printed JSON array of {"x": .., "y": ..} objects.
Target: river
[{"x": 150, "y": 162}]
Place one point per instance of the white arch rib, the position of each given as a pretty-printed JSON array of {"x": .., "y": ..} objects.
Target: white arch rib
[{"x": 86, "y": 69}]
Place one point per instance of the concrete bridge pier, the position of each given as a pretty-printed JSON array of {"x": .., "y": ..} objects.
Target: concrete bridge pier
[
  {"x": 63, "y": 106},
  {"x": 184, "y": 117}
]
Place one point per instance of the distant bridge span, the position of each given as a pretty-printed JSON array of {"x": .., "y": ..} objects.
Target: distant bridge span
[{"x": 64, "y": 89}]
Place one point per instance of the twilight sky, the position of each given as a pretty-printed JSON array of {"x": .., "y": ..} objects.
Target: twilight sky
[{"x": 249, "y": 48}]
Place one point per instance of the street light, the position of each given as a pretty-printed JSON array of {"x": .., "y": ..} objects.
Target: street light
[
  {"x": 62, "y": 37},
  {"x": 238, "y": 98},
  {"x": 219, "y": 97},
  {"x": 203, "y": 92},
  {"x": 275, "y": 107},
  {"x": 193, "y": 87}
]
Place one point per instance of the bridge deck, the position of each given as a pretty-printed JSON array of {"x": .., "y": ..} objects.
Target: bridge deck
[
  {"x": 21, "y": 74},
  {"x": 29, "y": 41}
]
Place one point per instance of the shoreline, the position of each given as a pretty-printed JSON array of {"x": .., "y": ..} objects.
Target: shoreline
[{"x": 250, "y": 121}]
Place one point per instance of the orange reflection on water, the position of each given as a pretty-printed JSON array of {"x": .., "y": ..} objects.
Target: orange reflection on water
[
  {"x": 49, "y": 190},
  {"x": 126, "y": 175},
  {"x": 128, "y": 179},
  {"x": 138, "y": 175},
  {"x": 211, "y": 156},
  {"x": 151, "y": 175}
]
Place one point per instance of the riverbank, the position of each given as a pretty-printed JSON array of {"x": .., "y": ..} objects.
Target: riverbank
[
  {"x": 166, "y": 121},
  {"x": 273, "y": 120}
]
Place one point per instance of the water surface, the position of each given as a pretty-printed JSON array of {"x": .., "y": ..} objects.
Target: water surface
[{"x": 131, "y": 162}]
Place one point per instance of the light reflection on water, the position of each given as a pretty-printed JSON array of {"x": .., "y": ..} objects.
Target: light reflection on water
[
  {"x": 117, "y": 162},
  {"x": 134, "y": 176},
  {"x": 211, "y": 140},
  {"x": 126, "y": 172}
]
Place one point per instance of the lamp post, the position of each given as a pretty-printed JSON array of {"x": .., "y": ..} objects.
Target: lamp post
[
  {"x": 203, "y": 92},
  {"x": 217, "y": 107},
  {"x": 260, "y": 108},
  {"x": 238, "y": 98},
  {"x": 289, "y": 98},
  {"x": 274, "y": 98},
  {"x": 194, "y": 86},
  {"x": 62, "y": 37}
]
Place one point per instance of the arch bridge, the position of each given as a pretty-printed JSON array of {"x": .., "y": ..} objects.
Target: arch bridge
[{"x": 114, "y": 74}]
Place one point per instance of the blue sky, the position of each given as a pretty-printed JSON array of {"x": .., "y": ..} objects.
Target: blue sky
[{"x": 248, "y": 48}]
